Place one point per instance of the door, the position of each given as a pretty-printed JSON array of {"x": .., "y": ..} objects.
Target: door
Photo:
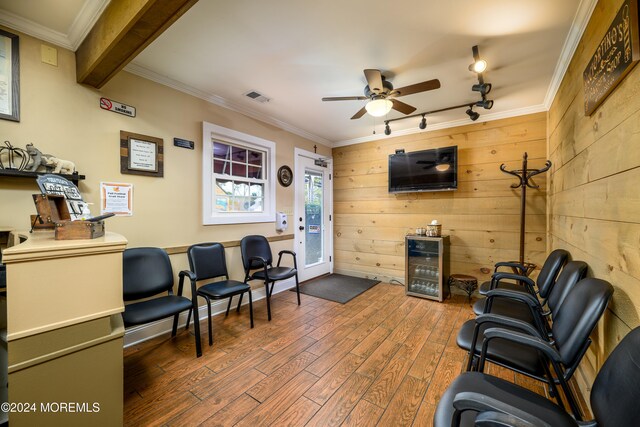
[{"x": 313, "y": 214}]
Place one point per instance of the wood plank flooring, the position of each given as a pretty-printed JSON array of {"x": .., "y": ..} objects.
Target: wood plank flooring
[{"x": 381, "y": 359}]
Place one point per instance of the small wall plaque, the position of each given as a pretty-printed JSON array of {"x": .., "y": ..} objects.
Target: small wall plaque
[
  {"x": 184, "y": 143},
  {"x": 617, "y": 53}
]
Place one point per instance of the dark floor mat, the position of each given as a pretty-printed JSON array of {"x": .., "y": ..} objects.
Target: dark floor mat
[{"x": 337, "y": 287}]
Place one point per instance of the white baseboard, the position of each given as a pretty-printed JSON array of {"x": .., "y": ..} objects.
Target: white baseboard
[{"x": 138, "y": 334}]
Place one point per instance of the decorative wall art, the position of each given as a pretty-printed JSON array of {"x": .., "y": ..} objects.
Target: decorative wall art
[
  {"x": 141, "y": 154},
  {"x": 9, "y": 76}
]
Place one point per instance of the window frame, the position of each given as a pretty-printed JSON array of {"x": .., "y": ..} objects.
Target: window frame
[{"x": 210, "y": 216}]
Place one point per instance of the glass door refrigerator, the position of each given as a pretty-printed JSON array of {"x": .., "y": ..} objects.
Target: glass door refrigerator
[{"x": 427, "y": 266}]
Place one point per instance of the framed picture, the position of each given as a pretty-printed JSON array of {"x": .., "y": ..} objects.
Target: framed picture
[
  {"x": 285, "y": 176},
  {"x": 9, "y": 76},
  {"x": 141, "y": 154}
]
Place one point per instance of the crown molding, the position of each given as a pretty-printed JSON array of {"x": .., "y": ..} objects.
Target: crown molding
[
  {"x": 222, "y": 102},
  {"x": 82, "y": 24},
  {"x": 579, "y": 24},
  {"x": 446, "y": 125}
]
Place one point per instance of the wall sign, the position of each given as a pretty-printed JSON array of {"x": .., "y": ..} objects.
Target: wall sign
[
  {"x": 184, "y": 143},
  {"x": 9, "y": 76},
  {"x": 117, "y": 107},
  {"x": 141, "y": 154},
  {"x": 116, "y": 198},
  {"x": 614, "y": 57}
]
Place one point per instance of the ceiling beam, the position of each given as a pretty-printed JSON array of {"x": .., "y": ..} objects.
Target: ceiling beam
[{"x": 123, "y": 30}]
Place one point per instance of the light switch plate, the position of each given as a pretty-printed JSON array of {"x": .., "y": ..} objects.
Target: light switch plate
[{"x": 49, "y": 55}]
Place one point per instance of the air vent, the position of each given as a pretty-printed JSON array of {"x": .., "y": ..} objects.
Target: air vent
[{"x": 257, "y": 96}]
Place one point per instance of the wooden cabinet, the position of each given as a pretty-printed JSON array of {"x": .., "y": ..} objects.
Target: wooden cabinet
[{"x": 427, "y": 266}]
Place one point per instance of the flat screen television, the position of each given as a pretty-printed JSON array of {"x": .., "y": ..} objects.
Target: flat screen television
[{"x": 426, "y": 170}]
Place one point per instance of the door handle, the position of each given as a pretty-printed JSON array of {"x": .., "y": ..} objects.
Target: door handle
[{"x": 301, "y": 228}]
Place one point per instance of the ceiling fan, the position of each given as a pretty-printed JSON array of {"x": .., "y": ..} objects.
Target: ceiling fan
[{"x": 382, "y": 96}]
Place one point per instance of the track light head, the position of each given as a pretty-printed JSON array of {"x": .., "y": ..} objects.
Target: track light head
[
  {"x": 487, "y": 104},
  {"x": 387, "y": 129},
  {"x": 423, "y": 123},
  {"x": 478, "y": 66},
  {"x": 473, "y": 115},
  {"x": 483, "y": 88}
]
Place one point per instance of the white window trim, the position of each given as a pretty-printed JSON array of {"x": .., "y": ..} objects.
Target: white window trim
[{"x": 219, "y": 133}]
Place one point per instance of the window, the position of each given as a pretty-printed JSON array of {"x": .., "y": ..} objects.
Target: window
[{"x": 238, "y": 177}]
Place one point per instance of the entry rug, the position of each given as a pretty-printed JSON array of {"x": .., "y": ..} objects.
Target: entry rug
[{"x": 337, "y": 287}]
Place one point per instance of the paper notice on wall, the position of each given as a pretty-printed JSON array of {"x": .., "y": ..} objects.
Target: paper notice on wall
[{"x": 116, "y": 198}]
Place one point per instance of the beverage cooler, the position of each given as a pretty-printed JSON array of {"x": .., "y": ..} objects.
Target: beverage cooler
[{"x": 427, "y": 266}]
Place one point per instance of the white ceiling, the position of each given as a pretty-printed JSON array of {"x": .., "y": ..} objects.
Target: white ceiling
[{"x": 296, "y": 52}]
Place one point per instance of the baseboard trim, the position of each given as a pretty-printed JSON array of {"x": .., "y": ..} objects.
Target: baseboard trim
[{"x": 138, "y": 334}]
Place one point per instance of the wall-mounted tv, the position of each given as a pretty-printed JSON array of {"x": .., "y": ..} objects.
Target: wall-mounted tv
[{"x": 426, "y": 170}]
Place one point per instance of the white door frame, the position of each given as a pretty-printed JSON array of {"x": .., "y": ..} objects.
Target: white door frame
[{"x": 299, "y": 152}]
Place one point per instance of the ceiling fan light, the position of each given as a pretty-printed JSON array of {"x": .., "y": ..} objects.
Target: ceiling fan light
[
  {"x": 443, "y": 167},
  {"x": 479, "y": 66},
  {"x": 379, "y": 107}
]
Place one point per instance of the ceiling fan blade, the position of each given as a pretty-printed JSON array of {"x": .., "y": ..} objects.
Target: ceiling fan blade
[
  {"x": 361, "y": 112},
  {"x": 419, "y": 87},
  {"x": 402, "y": 107},
  {"x": 345, "y": 98},
  {"x": 374, "y": 80}
]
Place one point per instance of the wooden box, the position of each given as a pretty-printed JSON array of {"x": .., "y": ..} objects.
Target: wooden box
[
  {"x": 51, "y": 208},
  {"x": 72, "y": 230}
]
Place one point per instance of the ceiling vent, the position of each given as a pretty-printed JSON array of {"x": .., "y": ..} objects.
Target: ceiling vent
[{"x": 257, "y": 96}]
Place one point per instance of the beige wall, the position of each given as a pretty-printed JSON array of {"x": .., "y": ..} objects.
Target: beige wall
[
  {"x": 63, "y": 118},
  {"x": 482, "y": 216},
  {"x": 594, "y": 211}
]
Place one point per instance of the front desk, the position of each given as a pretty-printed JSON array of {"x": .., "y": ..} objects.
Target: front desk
[{"x": 64, "y": 332}]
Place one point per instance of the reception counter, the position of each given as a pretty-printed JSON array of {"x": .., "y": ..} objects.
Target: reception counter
[{"x": 63, "y": 330}]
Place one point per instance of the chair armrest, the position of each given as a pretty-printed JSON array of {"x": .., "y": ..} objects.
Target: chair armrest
[
  {"x": 528, "y": 283},
  {"x": 293, "y": 254},
  {"x": 492, "y": 412},
  {"x": 521, "y": 267},
  {"x": 533, "y": 342},
  {"x": 264, "y": 264},
  {"x": 509, "y": 323},
  {"x": 192, "y": 277},
  {"x": 523, "y": 297}
]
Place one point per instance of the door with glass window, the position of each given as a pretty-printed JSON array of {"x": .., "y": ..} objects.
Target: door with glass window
[{"x": 312, "y": 218}]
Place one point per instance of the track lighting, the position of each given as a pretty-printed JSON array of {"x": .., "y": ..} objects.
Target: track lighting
[
  {"x": 423, "y": 123},
  {"x": 479, "y": 65},
  {"x": 387, "y": 129},
  {"x": 483, "y": 88},
  {"x": 473, "y": 115},
  {"x": 485, "y": 103}
]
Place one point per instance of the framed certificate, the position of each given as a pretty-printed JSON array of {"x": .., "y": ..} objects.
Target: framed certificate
[
  {"x": 9, "y": 77},
  {"x": 141, "y": 154}
]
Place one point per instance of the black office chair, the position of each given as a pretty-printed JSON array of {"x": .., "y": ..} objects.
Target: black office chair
[
  {"x": 547, "y": 276},
  {"x": 475, "y": 398},
  {"x": 147, "y": 272},
  {"x": 207, "y": 262},
  {"x": 256, "y": 255},
  {"x": 523, "y": 348}
]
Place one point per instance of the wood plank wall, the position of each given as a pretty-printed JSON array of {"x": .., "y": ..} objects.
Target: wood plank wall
[
  {"x": 482, "y": 216},
  {"x": 594, "y": 202}
]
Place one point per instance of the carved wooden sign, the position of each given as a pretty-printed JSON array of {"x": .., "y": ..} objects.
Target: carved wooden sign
[{"x": 614, "y": 57}]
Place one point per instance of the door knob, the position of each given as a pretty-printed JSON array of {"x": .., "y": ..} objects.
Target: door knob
[{"x": 301, "y": 228}]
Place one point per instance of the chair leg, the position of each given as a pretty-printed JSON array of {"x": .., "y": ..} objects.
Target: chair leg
[
  {"x": 298, "y": 288},
  {"x": 196, "y": 326},
  {"x": 229, "y": 305},
  {"x": 209, "y": 318},
  {"x": 266, "y": 286},
  {"x": 239, "y": 303},
  {"x": 251, "y": 309},
  {"x": 188, "y": 320},
  {"x": 175, "y": 325}
]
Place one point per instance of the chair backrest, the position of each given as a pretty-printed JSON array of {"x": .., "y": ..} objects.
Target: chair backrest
[
  {"x": 252, "y": 246},
  {"x": 571, "y": 274},
  {"x": 549, "y": 271},
  {"x": 616, "y": 390},
  {"x": 207, "y": 261},
  {"x": 145, "y": 272},
  {"x": 581, "y": 310}
]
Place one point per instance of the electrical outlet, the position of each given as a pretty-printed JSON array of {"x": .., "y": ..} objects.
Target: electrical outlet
[{"x": 49, "y": 55}]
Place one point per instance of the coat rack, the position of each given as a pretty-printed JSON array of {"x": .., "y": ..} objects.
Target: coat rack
[{"x": 524, "y": 176}]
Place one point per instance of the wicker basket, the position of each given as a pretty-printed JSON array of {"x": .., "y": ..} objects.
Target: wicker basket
[{"x": 434, "y": 230}]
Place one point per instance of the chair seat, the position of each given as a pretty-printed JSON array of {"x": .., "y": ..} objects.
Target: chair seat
[
  {"x": 505, "y": 307},
  {"x": 154, "y": 309},
  {"x": 501, "y": 351},
  {"x": 503, "y": 391},
  {"x": 223, "y": 289},
  {"x": 275, "y": 273},
  {"x": 486, "y": 286}
]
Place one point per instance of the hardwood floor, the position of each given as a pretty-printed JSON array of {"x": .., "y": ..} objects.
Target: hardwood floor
[{"x": 382, "y": 359}]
